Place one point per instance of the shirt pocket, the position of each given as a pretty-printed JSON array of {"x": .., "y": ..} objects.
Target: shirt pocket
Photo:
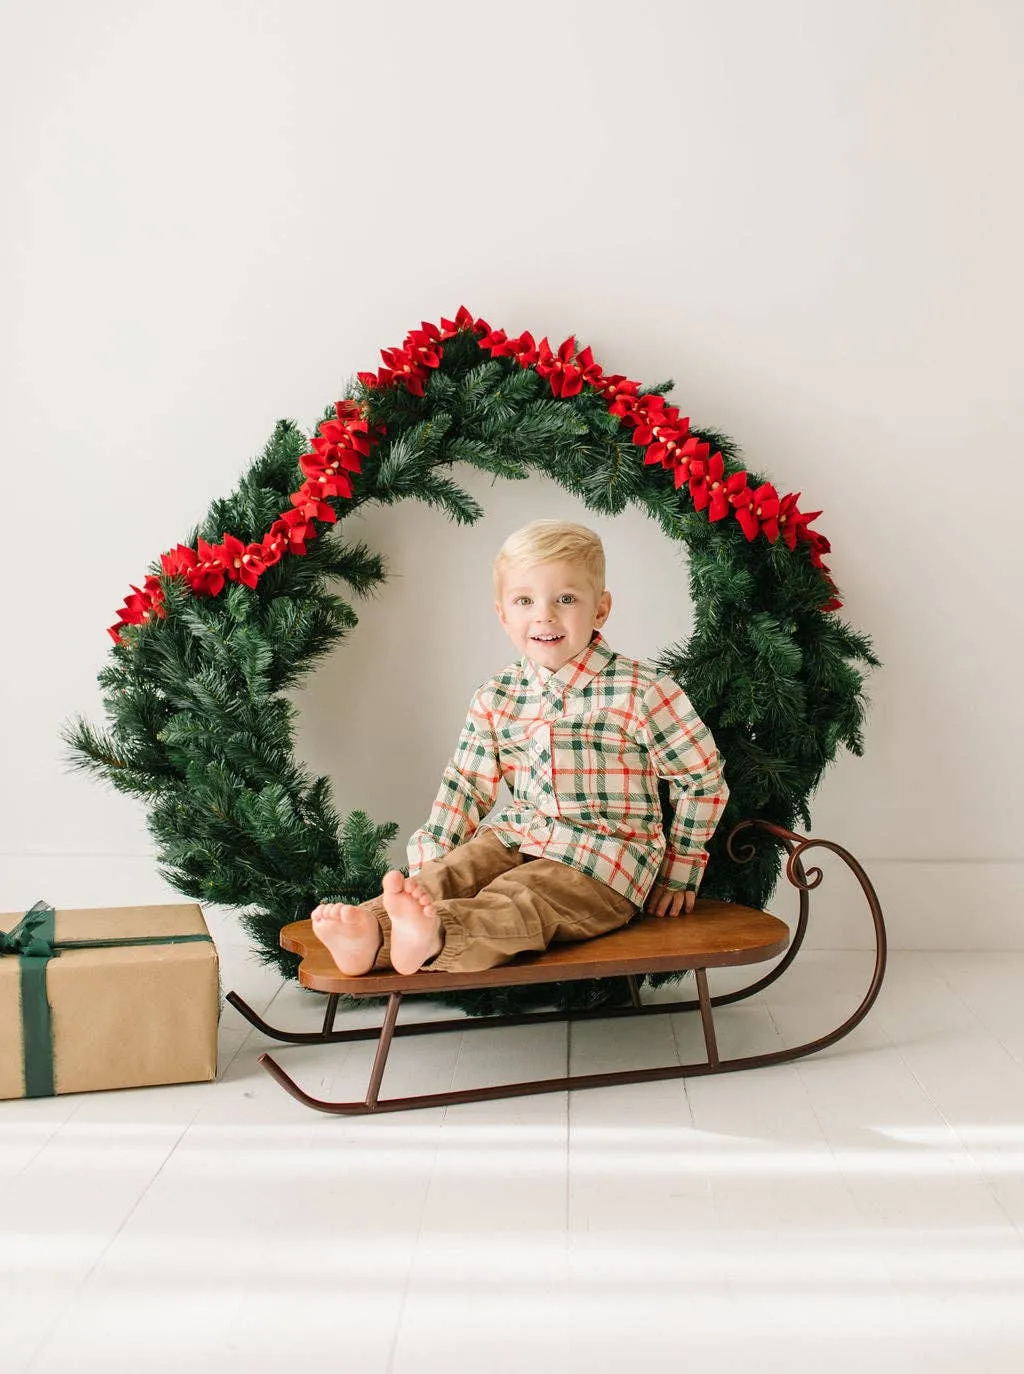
[{"x": 593, "y": 758}]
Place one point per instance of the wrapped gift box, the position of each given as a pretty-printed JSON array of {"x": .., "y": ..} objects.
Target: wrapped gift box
[{"x": 114, "y": 997}]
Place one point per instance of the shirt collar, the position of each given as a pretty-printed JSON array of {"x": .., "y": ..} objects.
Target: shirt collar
[{"x": 572, "y": 675}]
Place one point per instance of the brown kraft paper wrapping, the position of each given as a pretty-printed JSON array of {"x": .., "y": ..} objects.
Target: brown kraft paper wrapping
[{"x": 122, "y": 1017}]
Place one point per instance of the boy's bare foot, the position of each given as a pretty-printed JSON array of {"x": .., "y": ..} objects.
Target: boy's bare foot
[
  {"x": 352, "y": 936},
  {"x": 415, "y": 925}
]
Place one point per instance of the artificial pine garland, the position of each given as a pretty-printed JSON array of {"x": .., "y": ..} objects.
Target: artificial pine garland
[{"x": 198, "y": 723}]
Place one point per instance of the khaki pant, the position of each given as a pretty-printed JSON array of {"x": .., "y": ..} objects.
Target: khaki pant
[{"x": 495, "y": 902}]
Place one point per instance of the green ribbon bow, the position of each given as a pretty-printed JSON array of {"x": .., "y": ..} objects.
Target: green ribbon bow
[
  {"x": 34, "y": 941},
  {"x": 33, "y": 935}
]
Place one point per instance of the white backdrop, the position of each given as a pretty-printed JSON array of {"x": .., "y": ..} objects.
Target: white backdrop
[{"x": 808, "y": 214}]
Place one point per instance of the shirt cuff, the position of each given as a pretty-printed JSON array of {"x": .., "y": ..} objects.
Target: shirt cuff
[
  {"x": 421, "y": 850},
  {"x": 683, "y": 872}
]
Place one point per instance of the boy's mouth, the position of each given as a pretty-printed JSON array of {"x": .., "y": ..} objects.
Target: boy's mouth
[{"x": 547, "y": 639}]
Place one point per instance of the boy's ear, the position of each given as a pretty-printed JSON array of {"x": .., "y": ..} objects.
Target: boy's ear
[{"x": 604, "y": 607}]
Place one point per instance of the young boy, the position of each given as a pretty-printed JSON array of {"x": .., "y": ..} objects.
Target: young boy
[{"x": 581, "y": 735}]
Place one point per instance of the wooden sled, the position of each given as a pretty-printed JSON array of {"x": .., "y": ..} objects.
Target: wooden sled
[{"x": 714, "y": 935}]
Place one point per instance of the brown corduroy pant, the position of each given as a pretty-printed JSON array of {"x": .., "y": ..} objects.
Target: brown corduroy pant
[{"x": 495, "y": 902}]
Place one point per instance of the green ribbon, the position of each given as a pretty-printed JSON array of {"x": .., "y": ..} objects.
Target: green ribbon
[{"x": 34, "y": 941}]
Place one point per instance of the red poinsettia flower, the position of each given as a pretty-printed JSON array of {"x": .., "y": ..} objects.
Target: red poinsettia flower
[
  {"x": 563, "y": 376},
  {"x": 330, "y": 484},
  {"x": 615, "y": 388},
  {"x": 350, "y": 431},
  {"x": 207, "y": 577},
  {"x": 665, "y": 443},
  {"x": 327, "y": 458},
  {"x": 624, "y": 401},
  {"x": 424, "y": 345},
  {"x": 735, "y": 494},
  {"x": 406, "y": 367},
  {"x": 144, "y": 603},
  {"x": 523, "y": 350},
  {"x": 793, "y": 522},
  {"x": 340, "y": 444},
  {"x": 662, "y": 430},
  {"x": 818, "y": 545},
  {"x": 463, "y": 320},
  {"x": 297, "y": 530},
  {"x": 593, "y": 374},
  {"x": 349, "y": 434},
  {"x": 273, "y": 546},
  {"x": 710, "y": 490},
  {"x": 667, "y": 448},
  {"x": 376, "y": 380},
  {"x": 758, "y": 510},
  {"x": 431, "y": 331},
  {"x": 692, "y": 460},
  {"x": 134, "y": 610},
  {"x": 179, "y": 561},
  {"x": 311, "y": 498},
  {"x": 648, "y": 412},
  {"x": 243, "y": 562},
  {"x": 492, "y": 338},
  {"x": 355, "y": 417},
  {"x": 413, "y": 379}
]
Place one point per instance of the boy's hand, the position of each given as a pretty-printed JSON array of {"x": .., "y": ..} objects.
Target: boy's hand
[{"x": 669, "y": 901}]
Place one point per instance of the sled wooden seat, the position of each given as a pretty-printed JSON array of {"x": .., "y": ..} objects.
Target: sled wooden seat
[{"x": 715, "y": 935}]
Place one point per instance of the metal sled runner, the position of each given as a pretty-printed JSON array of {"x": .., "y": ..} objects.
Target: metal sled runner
[{"x": 714, "y": 935}]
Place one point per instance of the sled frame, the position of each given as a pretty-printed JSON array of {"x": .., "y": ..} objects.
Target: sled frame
[{"x": 577, "y": 962}]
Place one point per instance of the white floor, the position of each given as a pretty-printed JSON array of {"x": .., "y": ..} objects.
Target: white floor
[{"x": 863, "y": 1208}]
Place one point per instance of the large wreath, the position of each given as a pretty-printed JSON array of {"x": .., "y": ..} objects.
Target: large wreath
[{"x": 199, "y": 724}]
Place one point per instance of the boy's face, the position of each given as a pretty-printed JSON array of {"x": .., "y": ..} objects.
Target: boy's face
[{"x": 549, "y": 610}]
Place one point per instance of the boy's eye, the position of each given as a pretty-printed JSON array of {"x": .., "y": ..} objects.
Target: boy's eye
[
  {"x": 521, "y": 600},
  {"x": 567, "y": 598}
]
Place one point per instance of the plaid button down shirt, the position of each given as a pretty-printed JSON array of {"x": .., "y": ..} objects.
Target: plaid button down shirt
[{"x": 582, "y": 750}]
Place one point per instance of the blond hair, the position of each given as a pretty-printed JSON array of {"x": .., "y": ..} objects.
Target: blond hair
[{"x": 552, "y": 541}]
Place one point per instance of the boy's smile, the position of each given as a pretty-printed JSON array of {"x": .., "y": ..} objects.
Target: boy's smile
[{"x": 550, "y": 610}]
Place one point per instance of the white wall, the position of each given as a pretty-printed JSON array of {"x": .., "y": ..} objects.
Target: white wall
[{"x": 809, "y": 214}]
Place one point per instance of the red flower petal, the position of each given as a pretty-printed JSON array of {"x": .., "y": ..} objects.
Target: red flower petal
[{"x": 572, "y": 384}]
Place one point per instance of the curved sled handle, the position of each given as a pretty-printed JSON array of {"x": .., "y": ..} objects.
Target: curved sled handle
[{"x": 805, "y": 881}]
